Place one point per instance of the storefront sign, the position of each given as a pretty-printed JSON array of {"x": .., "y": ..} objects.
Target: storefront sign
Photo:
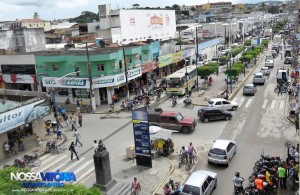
[
  {"x": 19, "y": 78},
  {"x": 149, "y": 66},
  {"x": 169, "y": 59},
  {"x": 134, "y": 73},
  {"x": 23, "y": 115},
  {"x": 66, "y": 82},
  {"x": 105, "y": 81}
]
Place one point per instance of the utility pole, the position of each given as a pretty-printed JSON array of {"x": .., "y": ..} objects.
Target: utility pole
[
  {"x": 295, "y": 41},
  {"x": 90, "y": 77},
  {"x": 197, "y": 58},
  {"x": 126, "y": 73}
]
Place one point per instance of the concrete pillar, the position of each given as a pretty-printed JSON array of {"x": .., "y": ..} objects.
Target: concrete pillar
[
  {"x": 38, "y": 128},
  {"x": 97, "y": 97},
  {"x": 103, "y": 172},
  {"x": 109, "y": 91}
]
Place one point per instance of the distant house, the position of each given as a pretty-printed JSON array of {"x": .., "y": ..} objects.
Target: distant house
[{"x": 36, "y": 22}]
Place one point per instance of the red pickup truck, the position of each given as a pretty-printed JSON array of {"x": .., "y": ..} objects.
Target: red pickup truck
[{"x": 171, "y": 120}]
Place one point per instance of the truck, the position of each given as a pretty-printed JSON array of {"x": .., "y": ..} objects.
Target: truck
[{"x": 171, "y": 120}]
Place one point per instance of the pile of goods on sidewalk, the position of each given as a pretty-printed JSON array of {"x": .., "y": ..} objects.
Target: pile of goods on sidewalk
[{"x": 270, "y": 173}]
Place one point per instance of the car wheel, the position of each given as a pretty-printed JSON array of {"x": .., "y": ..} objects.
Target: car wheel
[
  {"x": 233, "y": 108},
  {"x": 185, "y": 130},
  {"x": 206, "y": 120},
  {"x": 226, "y": 118}
]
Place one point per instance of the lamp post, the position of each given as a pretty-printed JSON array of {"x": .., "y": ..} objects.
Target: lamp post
[
  {"x": 197, "y": 58},
  {"x": 216, "y": 37},
  {"x": 126, "y": 72},
  {"x": 53, "y": 93},
  {"x": 90, "y": 77}
]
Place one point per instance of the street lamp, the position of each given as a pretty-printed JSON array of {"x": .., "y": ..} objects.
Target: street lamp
[
  {"x": 197, "y": 56},
  {"x": 53, "y": 93}
]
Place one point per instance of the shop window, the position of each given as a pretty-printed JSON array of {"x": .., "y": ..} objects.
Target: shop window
[
  {"x": 55, "y": 68},
  {"x": 100, "y": 67},
  {"x": 145, "y": 56},
  {"x": 120, "y": 64},
  {"x": 62, "y": 91}
]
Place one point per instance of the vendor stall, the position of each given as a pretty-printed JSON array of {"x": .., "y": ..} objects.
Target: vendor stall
[{"x": 161, "y": 141}]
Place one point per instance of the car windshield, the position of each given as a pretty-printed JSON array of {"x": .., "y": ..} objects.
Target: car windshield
[
  {"x": 258, "y": 76},
  {"x": 217, "y": 151},
  {"x": 179, "y": 117},
  {"x": 191, "y": 189},
  {"x": 210, "y": 102},
  {"x": 248, "y": 87}
]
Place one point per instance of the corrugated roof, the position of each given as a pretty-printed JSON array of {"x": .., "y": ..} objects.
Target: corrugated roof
[{"x": 64, "y": 25}]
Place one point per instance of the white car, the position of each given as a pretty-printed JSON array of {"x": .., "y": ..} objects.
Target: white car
[
  {"x": 200, "y": 182},
  {"x": 222, "y": 152},
  {"x": 222, "y": 103},
  {"x": 269, "y": 63},
  {"x": 265, "y": 70}
]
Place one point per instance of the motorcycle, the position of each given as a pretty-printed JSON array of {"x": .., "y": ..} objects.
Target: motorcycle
[
  {"x": 188, "y": 103},
  {"x": 32, "y": 160},
  {"x": 51, "y": 146},
  {"x": 123, "y": 106},
  {"x": 19, "y": 163},
  {"x": 174, "y": 101},
  {"x": 182, "y": 159}
]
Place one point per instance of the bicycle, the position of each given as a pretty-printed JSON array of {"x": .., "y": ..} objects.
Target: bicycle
[{"x": 188, "y": 164}]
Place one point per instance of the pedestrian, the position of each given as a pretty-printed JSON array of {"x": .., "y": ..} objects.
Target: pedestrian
[
  {"x": 38, "y": 143},
  {"x": 11, "y": 143},
  {"x": 282, "y": 176},
  {"x": 191, "y": 150},
  {"x": 77, "y": 136},
  {"x": 77, "y": 103},
  {"x": 135, "y": 187},
  {"x": 59, "y": 133},
  {"x": 101, "y": 145},
  {"x": 67, "y": 120},
  {"x": 21, "y": 145},
  {"x": 47, "y": 126},
  {"x": 297, "y": 125},
  {"x": 6, "y": 149},
  {"x": 291, "y": 176},
  {"x": 73, "y": 151},
  {"x": 279, "y": 89},
  {"x": 95, "y": 146},
  {"x": 80, "y": 119},
  {"x": 72, "y": 123},
  {"x": 74, "y": 118}
]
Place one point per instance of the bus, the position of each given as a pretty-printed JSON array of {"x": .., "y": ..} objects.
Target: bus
[{"x": 176, "y": 83}]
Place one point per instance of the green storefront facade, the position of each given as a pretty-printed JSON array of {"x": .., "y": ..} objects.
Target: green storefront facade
[{"x": 107, "y": 70}]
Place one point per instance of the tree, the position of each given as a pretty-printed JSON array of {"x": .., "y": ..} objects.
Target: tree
[
  {"x": 135, "y": 5},
  {"x": 193, "y": 9},
  {"x": 273, "y": 9},
  {"x": 167, "y": 7},
  {"x": 176, "y": 8},
  {"x": 85, "y": 17}
]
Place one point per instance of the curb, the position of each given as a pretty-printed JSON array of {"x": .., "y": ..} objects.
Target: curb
[
  {"x": 164, "y": 179},
  {"x": 290, "y": 119},
  {"x": 233, "y": 94}
]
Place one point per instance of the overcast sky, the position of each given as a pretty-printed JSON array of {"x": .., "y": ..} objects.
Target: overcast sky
[{"x": 58, "y": 9}]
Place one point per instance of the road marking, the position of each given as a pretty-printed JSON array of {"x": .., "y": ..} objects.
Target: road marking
[
  {"x": 265, "y": 104},
  {"x": 248, "y": 103},
  {"x": 273, "y": 104},
  {"x": 44, "y": 157},
  {"x": 60, "y": 166},
  {"x": 281, "y": 105},
  {"x": 44, "y": 162},
  {"x": 86, "y": 173},
  {"x": 83, "y": 166},
  {"x": 52, "y": 163},
  {"x": 73, "y": 165},
  {"x": 242, "y": 100}
]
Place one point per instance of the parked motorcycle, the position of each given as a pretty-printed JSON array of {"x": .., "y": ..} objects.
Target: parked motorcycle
[
  {"x": 51, "y": 146},
  {"x": 188, "y": 103},
  {"x": 19, "y": 163},
  {"x": 32, "y": 160}
]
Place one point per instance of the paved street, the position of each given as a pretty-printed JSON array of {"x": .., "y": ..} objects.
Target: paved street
[{"x": 259, "y": 125}]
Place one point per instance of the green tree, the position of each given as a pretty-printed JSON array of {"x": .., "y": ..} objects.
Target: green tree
[
  {"x": 273, "y": 9},
  {"x": 176, "y": 8},
  {"x": 85, "y": 17},
  {"x": 135, "y": 5},
  {"x": 167, "y": 7}
]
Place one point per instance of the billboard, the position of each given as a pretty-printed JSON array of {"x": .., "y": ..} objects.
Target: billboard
[{"x": 140, "y": 25}]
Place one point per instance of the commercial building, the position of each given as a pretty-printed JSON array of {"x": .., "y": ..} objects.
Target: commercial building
[
  {"x": 21, "y": 116},
  {"x": 127, "y": 26},
  {"x": 217, "y": 6},
  {"x": 35, "y": 22},
  {"x": 18, "y": 72}
]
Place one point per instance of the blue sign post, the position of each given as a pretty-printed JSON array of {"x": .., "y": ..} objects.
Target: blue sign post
[{"x": 142, "y": 137}]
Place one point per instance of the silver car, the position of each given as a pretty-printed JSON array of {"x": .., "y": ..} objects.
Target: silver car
[
  {"x": 259, "y": 78},
  {"x": 249, "y": 89},
  {"x": 269, "y": 63},
  {"x": 222, "y": 152},
  {"x": 265, "y": 70},
  {"x": 200, "y": 183}
]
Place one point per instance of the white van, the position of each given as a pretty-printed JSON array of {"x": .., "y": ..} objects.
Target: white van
[{"x": 283, "y": 75}]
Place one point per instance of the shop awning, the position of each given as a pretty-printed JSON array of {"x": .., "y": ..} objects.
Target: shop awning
[{"x": 160, "y": 133}]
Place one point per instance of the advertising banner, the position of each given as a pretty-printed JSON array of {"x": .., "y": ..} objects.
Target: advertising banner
[
  {"x": 169, "y": 59},
  {"x": 23, "y": 115},
  {"x": 142, "y": 137},
  {"x": 140, "y": 25},
  {"x": 19, "y": 78},
  {"x": 66, "y": 82}
]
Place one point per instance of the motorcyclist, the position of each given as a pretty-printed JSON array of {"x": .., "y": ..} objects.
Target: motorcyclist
[
  {"x": 123, "y": 105},
  {"x": 187, "y": 100},
  {"x": 184, "y": 153},
  {"x": 238, "y": 182},
  {"x": 167, "y": 190}
]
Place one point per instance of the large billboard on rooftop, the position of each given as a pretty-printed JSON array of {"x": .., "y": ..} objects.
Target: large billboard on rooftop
[{"x": 140, "y": 25}]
